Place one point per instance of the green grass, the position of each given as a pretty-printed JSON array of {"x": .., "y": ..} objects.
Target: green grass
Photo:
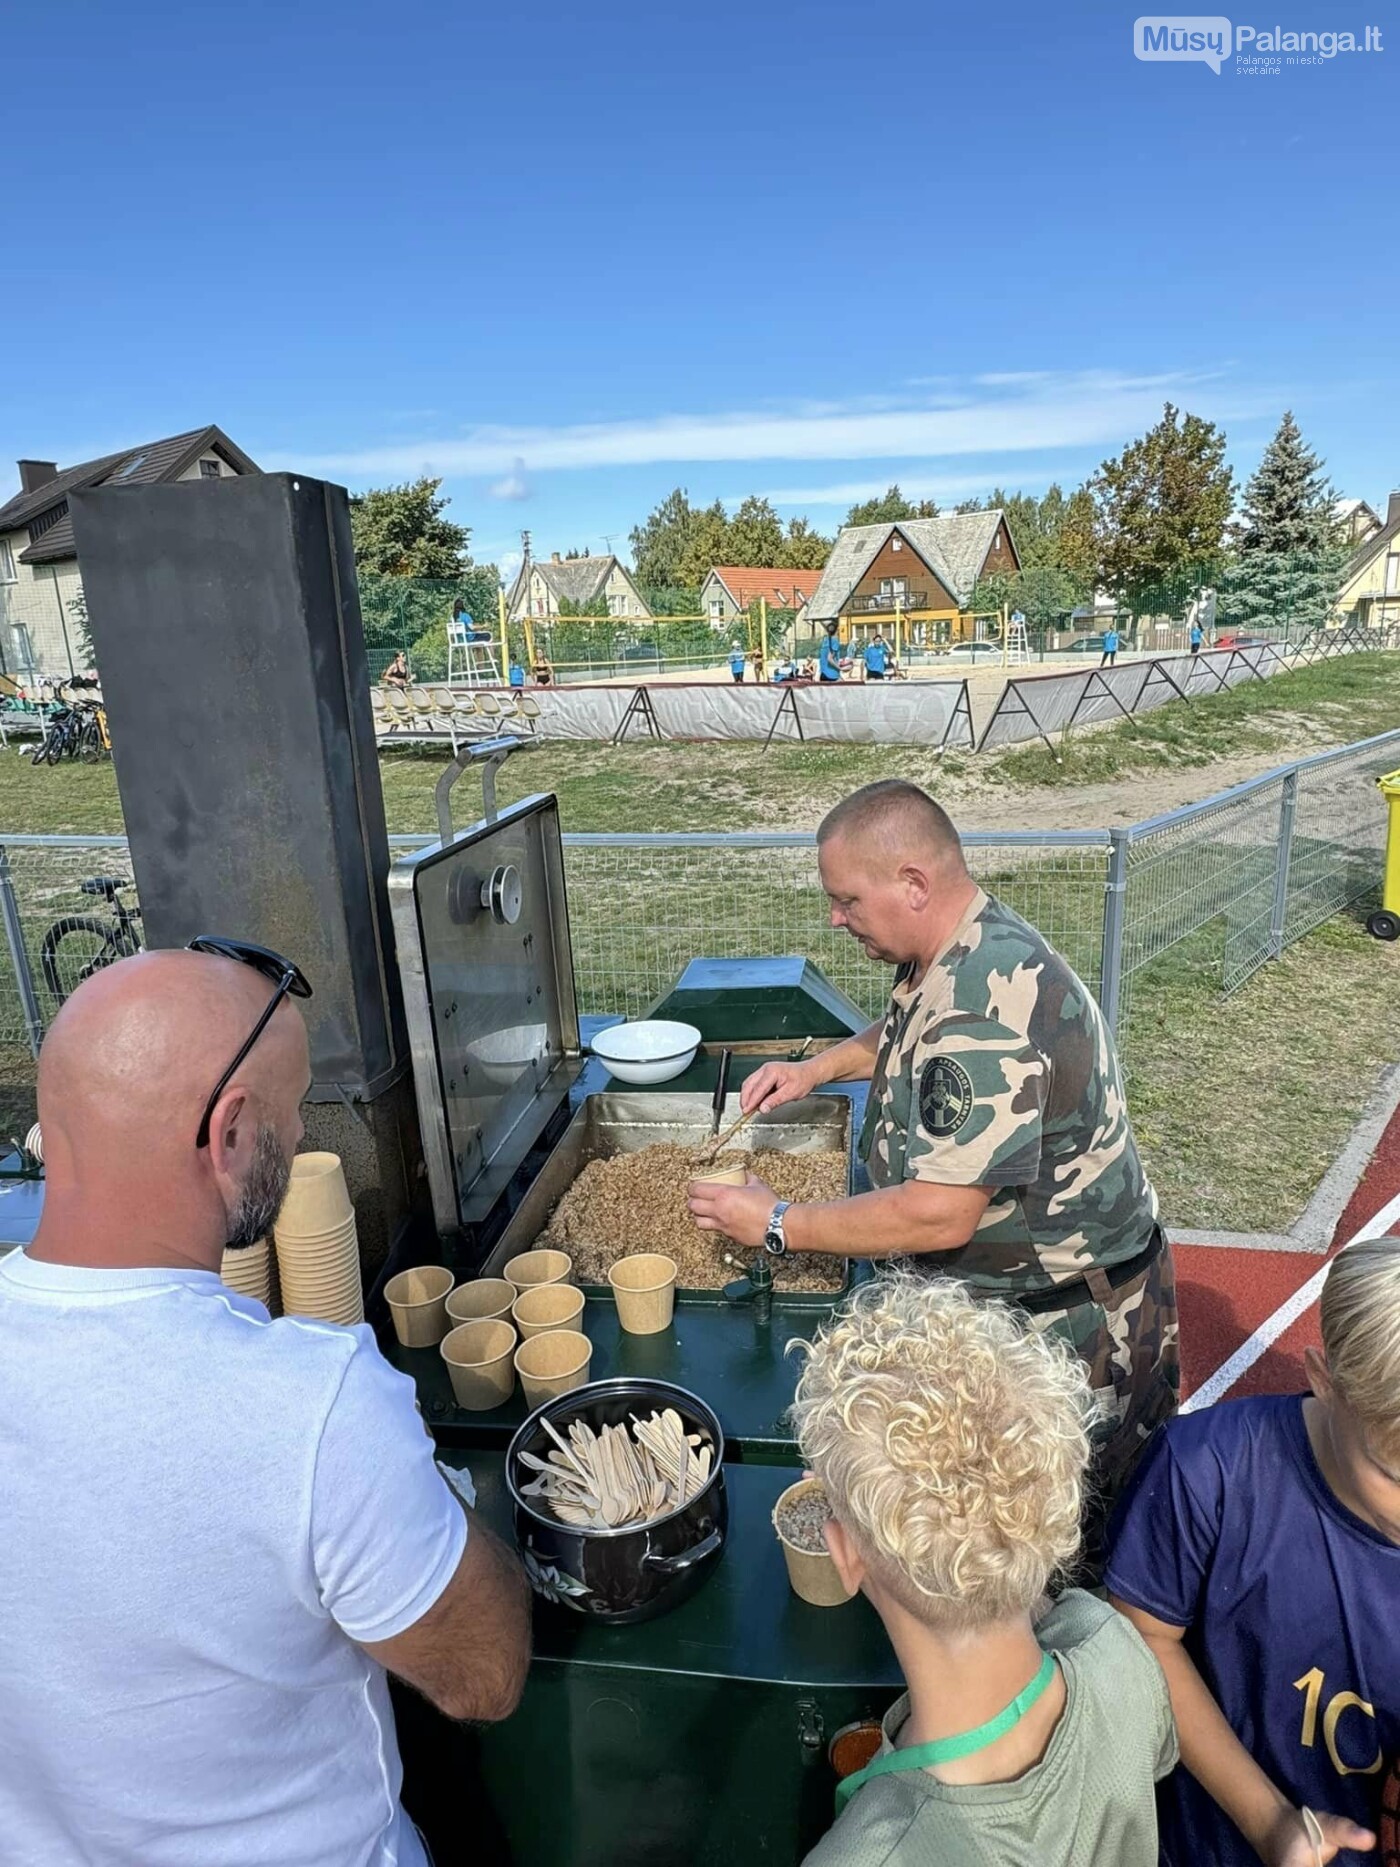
[
  {"x": 1332, "y": 702},
  {"x": 748, "y": 787},
  {"x": 1242, "y": 1103}
]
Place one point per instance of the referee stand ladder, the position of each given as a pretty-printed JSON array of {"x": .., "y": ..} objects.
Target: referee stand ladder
[{"x": 1017, "y": 652}]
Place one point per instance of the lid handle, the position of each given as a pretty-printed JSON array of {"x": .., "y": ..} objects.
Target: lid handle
[{"x": 490, "y": 754}]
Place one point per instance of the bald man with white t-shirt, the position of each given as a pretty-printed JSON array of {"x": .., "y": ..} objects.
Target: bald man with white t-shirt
[{"x": 219, "y": 1530}]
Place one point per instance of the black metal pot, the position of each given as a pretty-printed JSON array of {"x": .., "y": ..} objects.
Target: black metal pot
[{"x": 629, "y": 1574}]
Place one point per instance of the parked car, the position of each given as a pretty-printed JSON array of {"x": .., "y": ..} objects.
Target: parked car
[
  {"x": 974, "y": 648},
  {"x": 1231, "y": 640},
  {"x": 1085, "y": 645}
]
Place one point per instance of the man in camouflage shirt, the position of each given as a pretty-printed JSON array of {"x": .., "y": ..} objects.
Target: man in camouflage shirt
[{"x": 996, "y": 1132}]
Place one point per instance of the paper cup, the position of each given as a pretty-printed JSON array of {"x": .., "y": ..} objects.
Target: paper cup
[
  {"x": 249, "y": 1271},
  {"x": 645, "y": 1288},
  {"x": 308, "y": 1243},
  {"x": 317, "y": 1199},
  {"x": 725, "y": 1176},
  {"x": 540, "y": 1267},
  {"x": 542, "y": 1307},
  {"x": 417, "y": 1302},
  {"x": 552, "y": 1364},
  {"x": 813, "y": 1576},
  {"x": 484, "y": 1299},
  {"x": 478, "y": 1357}
]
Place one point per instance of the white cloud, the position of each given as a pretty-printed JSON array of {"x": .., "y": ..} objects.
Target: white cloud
[
  {"x": 943, "y": 490},
  {"x": 514, "y": 485},
  {"x": 1035, "y": 413}
]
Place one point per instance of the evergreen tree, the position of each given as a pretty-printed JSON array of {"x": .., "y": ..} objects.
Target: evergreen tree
[{"x": 1289, "y": 561}]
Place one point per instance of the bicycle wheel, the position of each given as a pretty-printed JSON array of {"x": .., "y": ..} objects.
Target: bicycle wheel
[
  {"x": 90, "y": 741},
  {"x": 74, "y": 949}
]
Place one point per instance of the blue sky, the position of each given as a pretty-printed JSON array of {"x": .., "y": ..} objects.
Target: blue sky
[{"x": 569, "y": 258}]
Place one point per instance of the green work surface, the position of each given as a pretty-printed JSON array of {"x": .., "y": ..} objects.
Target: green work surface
[
  {"x": 743, "y": 1623},
  {"x": 744, "y": 1001},
  {"x": 721, "y": 1352},
  {"x": 695, "y": 1740},
  {"x": 718, "y": 1350}
]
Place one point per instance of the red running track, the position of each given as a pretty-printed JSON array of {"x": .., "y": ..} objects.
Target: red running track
[{"x": 1224, "y": 1295}]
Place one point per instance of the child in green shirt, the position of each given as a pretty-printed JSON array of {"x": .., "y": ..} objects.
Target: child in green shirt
[{"x": 951, "y": 1440}]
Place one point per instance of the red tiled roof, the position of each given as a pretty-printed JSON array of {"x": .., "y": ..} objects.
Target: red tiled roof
[{"x": 783, "y": 589}]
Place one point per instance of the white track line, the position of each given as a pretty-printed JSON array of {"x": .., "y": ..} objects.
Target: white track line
[{"x": 1282, "y": 1319}]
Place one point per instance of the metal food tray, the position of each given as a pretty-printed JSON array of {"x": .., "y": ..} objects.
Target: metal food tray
[{"x": 623, "y": 1122}]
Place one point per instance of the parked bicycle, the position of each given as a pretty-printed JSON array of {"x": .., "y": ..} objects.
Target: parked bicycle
[
  {"x": 73, "y": 729},
  {"x": 78, "y": 945}
]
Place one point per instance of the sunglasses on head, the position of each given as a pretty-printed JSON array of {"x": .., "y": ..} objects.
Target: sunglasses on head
[{"x": 286, "y": 977}]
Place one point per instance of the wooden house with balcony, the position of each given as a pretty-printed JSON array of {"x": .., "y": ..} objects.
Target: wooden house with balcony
[{"x": 923, "y": 569}]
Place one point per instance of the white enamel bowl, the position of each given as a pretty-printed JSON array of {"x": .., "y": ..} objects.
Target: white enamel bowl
[{"x": 652, "y": 1050}]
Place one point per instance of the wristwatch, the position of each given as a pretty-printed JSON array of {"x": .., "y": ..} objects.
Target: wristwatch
[{"x": 774, "y": 1240}]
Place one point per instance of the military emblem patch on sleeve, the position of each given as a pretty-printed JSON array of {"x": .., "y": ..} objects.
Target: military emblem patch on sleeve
[{"x": 945, "y": 1096}]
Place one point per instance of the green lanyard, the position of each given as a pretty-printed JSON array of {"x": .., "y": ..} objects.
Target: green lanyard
[{"x": 949, "y": 1749}]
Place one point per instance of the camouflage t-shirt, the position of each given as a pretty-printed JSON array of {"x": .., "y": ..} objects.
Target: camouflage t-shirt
[{"x": 998, "y": 1070}]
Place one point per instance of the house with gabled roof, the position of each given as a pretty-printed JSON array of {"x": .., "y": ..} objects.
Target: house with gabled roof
[
  {"x": 540, "y": 589},
  {"x": 925, "y": 568},
  {"x": 1369, "y": 596},
  {"x": 41, "y": 602},
  {"x": 729, "y": 589}
]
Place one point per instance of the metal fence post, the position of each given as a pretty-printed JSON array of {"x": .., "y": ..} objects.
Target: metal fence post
[
  {"x": 19, "y": 955},
  {"x": 1114, "y": 903},
  {"x": 1287, "y": 811}
]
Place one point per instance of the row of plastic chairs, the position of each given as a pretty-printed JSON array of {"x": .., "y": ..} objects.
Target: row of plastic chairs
[{"x": 448, "y": 711}]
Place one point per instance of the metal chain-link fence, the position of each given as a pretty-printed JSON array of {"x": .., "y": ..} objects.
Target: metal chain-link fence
[{"x": 1227, "y": 883}]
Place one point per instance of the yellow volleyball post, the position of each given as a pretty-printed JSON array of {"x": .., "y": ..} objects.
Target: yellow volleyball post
[
  {"x": 763, "y": 633},
  {"x": 505, "y": 639}
]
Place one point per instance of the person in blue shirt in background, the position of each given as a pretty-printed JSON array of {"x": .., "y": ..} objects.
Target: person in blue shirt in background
[
  {"x": 517, "y": 675},
  {"x": 829, "y": 657},
  {"x": 1257, "y": 1552},
  {"x": 1197, "y": 637},
  {"x": 1110, "y": 648},
  {"x": 737, "y": 664},
  {"x": 876, "y": 657}
]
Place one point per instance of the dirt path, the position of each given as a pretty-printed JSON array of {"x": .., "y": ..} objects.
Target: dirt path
[{"x": 1128, "y": 799}]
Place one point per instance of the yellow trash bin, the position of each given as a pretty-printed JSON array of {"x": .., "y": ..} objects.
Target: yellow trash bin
[{"x": 1385, "y": 922}]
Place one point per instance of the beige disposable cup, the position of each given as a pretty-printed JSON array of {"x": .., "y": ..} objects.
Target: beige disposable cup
[
  {"x": 417, "y": 1302},
  {"x": 552, "y": 1364},
  {"x": 484, "y": 1299},
  {"x": 726, "y": 1176},
  {"x": 314, "y": 1241},
  {"x": 478, "y": 1357},
  {"x": 645, "y": 1288},
  {"x": 249, "y": 1271},
  {"x": 317, "y": 1200},
  {"x": 327, "y": 1290},
  {"x": 813, "y": 1577},
  {"x": 542, "y": 1307},
  {"x": 540, "y": 1267}
]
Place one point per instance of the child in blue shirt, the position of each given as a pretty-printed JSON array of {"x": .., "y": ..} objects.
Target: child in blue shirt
[
  {"x": 1197, "y": 637},
  {"x": 736, "y": 664},
  {"x": 517, "y": 675},
  {"x": 876, "y": 657},
  {"x": 829, "y": 658},
  {"x": 1258, "y": 1553},
  {"x": 1110, "y": 649}
]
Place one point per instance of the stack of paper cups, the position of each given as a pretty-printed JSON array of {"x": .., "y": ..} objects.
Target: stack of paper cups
[
  {"x": 318, "y": 1253},
  {"x": 249, "y": 1271}
]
